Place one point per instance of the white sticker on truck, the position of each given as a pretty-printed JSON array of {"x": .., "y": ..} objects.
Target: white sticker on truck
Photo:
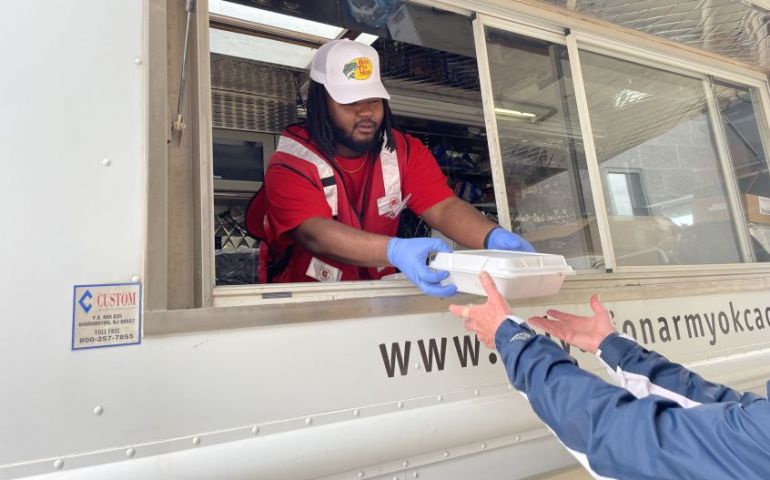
[{"x": 106, "y": 315}]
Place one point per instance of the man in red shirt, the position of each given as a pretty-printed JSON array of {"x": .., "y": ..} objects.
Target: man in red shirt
[{"x": 336, "y": 186}]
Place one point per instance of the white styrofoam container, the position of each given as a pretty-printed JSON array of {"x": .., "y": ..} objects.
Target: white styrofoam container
[{"x": 516, "y": 274}]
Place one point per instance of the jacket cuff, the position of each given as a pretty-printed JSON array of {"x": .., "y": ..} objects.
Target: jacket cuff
[
  {"x": 613, "y": 348},
  {"x": 509, "y": 331}
]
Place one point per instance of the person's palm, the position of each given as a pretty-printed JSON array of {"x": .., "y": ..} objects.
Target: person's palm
[
  {"x": 484, "y": 319},
  {"x": 585, "y": 333}
]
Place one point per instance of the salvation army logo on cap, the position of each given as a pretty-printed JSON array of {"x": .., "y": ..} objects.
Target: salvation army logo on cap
[{"x": 358, "y": 69}]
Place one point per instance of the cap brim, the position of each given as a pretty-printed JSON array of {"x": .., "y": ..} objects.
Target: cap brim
[{"x": 352, "y": 94}]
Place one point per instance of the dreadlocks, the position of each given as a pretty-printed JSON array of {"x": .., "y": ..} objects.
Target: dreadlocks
[{"x": 319, "y": 123}]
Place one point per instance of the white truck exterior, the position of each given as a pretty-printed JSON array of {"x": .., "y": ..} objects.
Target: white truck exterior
[{"x": 311, "y": 389}]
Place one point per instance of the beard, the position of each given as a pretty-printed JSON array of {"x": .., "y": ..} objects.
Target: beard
[{"x": 358, "y": 146}]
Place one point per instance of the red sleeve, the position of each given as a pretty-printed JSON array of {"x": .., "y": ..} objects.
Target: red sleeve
[
  {"x": 293, "y": 199},
  {"x": 423, "y": 178}
]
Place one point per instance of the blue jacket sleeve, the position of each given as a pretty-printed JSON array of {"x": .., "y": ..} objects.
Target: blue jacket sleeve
[
  {"x": 643, "y": 373},
  {"x": 627, "y": 437}
]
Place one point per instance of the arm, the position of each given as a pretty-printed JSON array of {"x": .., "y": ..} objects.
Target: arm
[
  {"x": 639, "y": 371},
  {"x": 331, "y": 239},
  {"x": 643, "y": 372},
  {"x": 459, "y": 221},
  {"x": 616, "y": 434},
  {"x": 625, "y": 437},
  {"x": 434, "y": 201}
]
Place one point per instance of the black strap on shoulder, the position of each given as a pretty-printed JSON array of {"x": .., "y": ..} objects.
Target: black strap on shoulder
[{"x": 279, "y": 264}]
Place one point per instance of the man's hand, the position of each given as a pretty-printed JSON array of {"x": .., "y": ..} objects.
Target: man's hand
[
  {"x": 484, "y": 319},
  {"x": 585, "y": 333},
  {"x": 410, "y": 255},
  {"x": 501, "y": 239}
]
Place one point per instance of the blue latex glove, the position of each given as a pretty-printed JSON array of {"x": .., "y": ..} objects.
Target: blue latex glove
[
  {"x": 501, "y": 239},
  {"x": 410, "y": 255}
]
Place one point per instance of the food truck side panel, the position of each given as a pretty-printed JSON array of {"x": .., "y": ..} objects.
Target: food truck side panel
[{"x": 305, "y": 399}]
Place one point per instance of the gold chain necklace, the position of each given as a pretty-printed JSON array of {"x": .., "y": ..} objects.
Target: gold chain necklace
[{"x": 355, "y": 170}]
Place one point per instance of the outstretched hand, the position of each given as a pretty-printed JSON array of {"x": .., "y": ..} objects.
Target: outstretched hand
[
  {"x": 484, "y": 319},
  {"x": 585, "y": 333}
]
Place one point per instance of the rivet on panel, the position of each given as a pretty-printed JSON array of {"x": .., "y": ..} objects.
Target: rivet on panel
[
  {"x": 138, "y": 61},
  {"x": 58, "y": 464},
  {"x": 361, "y": 474},
  {"x": 130, "y": 453},
  {"x": 416, "y": 475},
  {"x": 106, "y": 162},
  {"x": 255, "y": 430},
  {"x": 483, "y": 446},
  {"x": 196, "y": 441},
  {"x": 510, "y": 387},
  {"x": 405, "y": 463},
  {"x": 400, "y": 405},
  {"x": 135, "y": 279},
  {"x": 356, "y": 413},
  {"x": 395, "y": 478},
  {"x": 517, "y": 438},
  {"x": 308, "y": 421},
  {"x": 98, "y": 410},
  {"x": 417, "y": 366},
  {"x": 446, "y": 454},
  {"x": 439, "y": 398},
  {"x": 476, "y": 392}
]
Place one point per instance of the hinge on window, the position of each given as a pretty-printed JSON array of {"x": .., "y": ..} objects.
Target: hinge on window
[{"x": 276, "y": 295}]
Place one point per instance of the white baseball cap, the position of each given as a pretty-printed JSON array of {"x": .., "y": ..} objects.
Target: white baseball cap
[{"x": 349, "y": 70}]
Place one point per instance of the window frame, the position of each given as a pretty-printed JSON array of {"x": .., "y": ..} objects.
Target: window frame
[
  {"x": 755, "y": 81},
  {"x": 541, "y": 22},
  {"x": 290, "y": 293}
]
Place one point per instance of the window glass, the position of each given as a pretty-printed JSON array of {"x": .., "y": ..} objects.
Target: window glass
[
  {"x": 543, "y": 155},
  {"x": 749, "y": 160},
  {"x": 669, "y": 205},
  {"x": 261, "y": 49},
  {"x": 273, "y": 18}
]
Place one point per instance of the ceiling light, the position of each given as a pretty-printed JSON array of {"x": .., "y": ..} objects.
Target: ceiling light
[
  {"x": 627, "y": 97},
  {"x": 274, "y": 19}
]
